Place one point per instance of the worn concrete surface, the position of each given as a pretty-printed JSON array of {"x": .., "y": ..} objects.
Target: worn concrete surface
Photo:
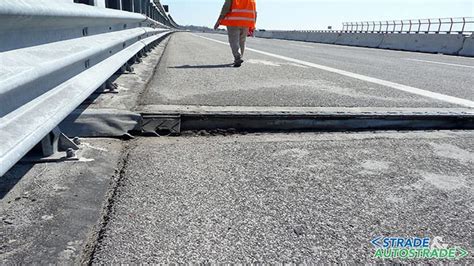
[
  {"x": 289, "y": 197},
  {"x": 50, "y": 213},
  {"x": 195, "y": 71},
  {"x": 451, "y": 75}
]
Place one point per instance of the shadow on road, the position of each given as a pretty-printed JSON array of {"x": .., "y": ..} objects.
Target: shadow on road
[
  {"x": 12, "y": 177},
  {"x": 204, "y": 66}
]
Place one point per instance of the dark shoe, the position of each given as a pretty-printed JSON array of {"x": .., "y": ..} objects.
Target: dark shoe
[{"x": 238, "y": 63}]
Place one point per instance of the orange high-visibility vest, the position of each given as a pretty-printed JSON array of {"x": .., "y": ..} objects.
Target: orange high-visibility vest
[{"x": 243, "y": 13}]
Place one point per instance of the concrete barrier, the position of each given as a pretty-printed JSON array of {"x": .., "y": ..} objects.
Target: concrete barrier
[
  {"x": 298, "y": 36},
  {"x": 264, "y": 34},
  {"x": 259, "y": 34},
  {"x": 314, "y": 37},
  {"x": 268, "y": 34},
  {"x": 278, "y": 35},
  {"x": 452, "y": 44},
  {"x": 372, "y": 40},
  {"x": 286, "y": 35},
  {"x": 322, "y": 37},
  {"x": 468, "y": 47},
  {"x": 431, "y": 43}
]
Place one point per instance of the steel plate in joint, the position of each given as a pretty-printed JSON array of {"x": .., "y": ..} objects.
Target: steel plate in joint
[{"x": 164, "y": 124}]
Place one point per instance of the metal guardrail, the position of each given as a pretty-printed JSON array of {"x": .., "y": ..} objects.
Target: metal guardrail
[
  {"x": 463, "y": 25},
  {"x": 53, "y": 55},
  {"x": 152, "y": 9}
]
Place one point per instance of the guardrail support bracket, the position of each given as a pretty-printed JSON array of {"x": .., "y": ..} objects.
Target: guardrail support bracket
[
  {"x": 56, "y": 142},
  {"x": 137, "y": 59},
  {"x": 108, "y": 87},
  {"x": 126, "y": 68},
  {"x": 52, "y": 148}
]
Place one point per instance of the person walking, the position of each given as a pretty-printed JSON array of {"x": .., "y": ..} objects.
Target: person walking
[{"x": 239, "y": 16}]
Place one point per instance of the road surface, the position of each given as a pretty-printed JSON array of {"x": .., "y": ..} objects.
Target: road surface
[
  {"x": 262, "y": 197},
  {"x": 196, "y": 71},
  {"x": 288, "y": 197}
]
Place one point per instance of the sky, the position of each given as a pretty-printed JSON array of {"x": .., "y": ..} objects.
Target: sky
[{"x": 319, "y": 14}]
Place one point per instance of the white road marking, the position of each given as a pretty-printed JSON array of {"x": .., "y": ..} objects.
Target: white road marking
[
  {"x": 263, "y": 62},
  {"x": 439, "y": 63},
  {"x": 301, "y": 45},
  {"x": 270, "y": 63},
  {"x": 393, "y": 85}
]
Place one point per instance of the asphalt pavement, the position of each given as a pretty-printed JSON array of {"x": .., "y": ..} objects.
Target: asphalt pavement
[
  {"x": 271, "y": 198},
  {"x": 51, "y": 213},
  {"x": 451, "y": 75},
  {"x": 275, "y": 198},
  {"x": 197, "y": 71}
]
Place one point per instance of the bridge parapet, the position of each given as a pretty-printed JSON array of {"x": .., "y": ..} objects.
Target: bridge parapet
[
  {"x": 462, "y": 25},
  {"x": 447, "y": 36}
]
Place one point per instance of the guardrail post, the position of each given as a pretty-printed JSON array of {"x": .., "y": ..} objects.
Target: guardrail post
[
  {"x": 114, "y": 4},
  {"x": 137, "y": 6},
  {"x": 425, "y": 26},
  {"x": 56, "y": 142},
  {"x": 99, "y": 3},
  {"x": 144, "y": 7},
  {"x": 463, "y": 24},
  {"x": 451, "y": 27},
  {"x": 127, "y": 5},
  {"x": 140, "y": 6}
]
